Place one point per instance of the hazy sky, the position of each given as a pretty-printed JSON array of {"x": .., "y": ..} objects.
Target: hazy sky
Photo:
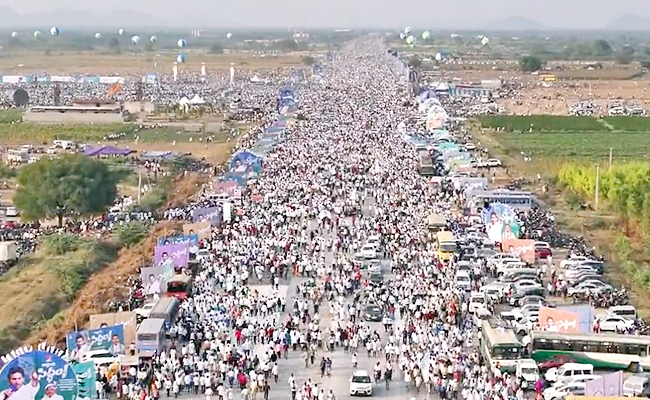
[{"x": 578, "y": 14}]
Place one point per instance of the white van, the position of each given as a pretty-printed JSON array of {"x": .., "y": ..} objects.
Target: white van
[
  {"x": 463, "y": 280},
  {"x": 628, "y": 312},
  {"x": 637, "y": 386},
  {"x": 566, "y": 372},
  {"x": 476, "y": 301},
  {"x": 527, "y": 369}
]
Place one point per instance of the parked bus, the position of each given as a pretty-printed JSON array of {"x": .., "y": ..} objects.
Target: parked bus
[
  {"x": 499, "y": 346},
  {"x": 179, "y": 286},
  {"x": 446, "y": 245},
  {"x": 150, "y": 336},
  {"x": 436, "y": 222},
  {"x": 166, "y": 308},
  {"x": 605, "y": 351}
]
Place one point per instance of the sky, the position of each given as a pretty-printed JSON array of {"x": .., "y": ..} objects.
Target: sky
[{"x": 430, "y": 14}]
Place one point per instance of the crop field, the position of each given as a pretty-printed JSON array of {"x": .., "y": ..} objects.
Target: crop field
[
  {"x": 630, "y": 124},
  {"x": 29, "y": 62},
  {"x": 542, "y": 123},
  {"x": 578, "y": 146}
]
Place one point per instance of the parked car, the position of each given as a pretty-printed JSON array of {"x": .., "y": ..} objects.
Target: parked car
[
  {"x": 100, "y": 357},
  {"x": 555, "y": 362},
  {"x": 613, "y": 323}
]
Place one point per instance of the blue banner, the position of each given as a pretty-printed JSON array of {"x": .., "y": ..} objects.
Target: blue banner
[
  {"x": 109, "y": 338},
  {"x": 192, "y": 239},
  {"x": 86, "y": 379},
  {"x": 38, "y": 375}
]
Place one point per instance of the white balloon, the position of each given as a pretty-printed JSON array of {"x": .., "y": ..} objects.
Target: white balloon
[
  {"x": 37, "y": 34},
  {"x": 426, "y": 35},
  {"x": 438, "y": 56},
  {"x": 120, "y": 32},
  {"x": 402, "y": 35},
  {"x": 181, "y": 58},
  {"x": 407, "y": 30},
  {"x": 98, "y": 35},
  {"x": 410, "y": 40},
  {"x": 14, "y": 34},
  {"x": 135, "y": 39},
  {"x": 485, "y": 41},
  {"x": 153, "y": 39},
  {"x": 181, "y": 43},
  {"x": 54, "y": 31},
  {"x": 229, "y": 35}
]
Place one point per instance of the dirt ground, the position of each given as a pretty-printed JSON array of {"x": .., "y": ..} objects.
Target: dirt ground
[
  {"x": 556, "y": 98},
  {"x": 58, "y": 63}
]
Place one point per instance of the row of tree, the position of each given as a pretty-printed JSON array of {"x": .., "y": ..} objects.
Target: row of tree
[{"x": 623, "y": 188}]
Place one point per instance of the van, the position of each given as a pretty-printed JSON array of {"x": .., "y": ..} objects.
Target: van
[
  {"x": 463, "y": 280},
  {"x": 527, "y": 369},
  {"x": 482, "y": 314},
  {"x": 476, "y": 301},
  {"x": 637, "y": 386},
  {"x": 566, "y": 372},
  {"x": 628, "y": 312}
]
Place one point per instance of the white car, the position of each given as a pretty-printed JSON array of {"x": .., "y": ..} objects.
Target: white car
[
  {"x": 368, "y": 251},
  {"x": 202, "y": 254},
  {"x": 560, "y": 392},
  {"x": 145, "y": 310},
  {"x": 575, "y": 260},
  {"x": 526, "y": 284},
  {"x": 590, "y": 286},
  {"x": 463, "y": 280},
  {"x": 100, "y": 357},
  {"x": 493, "y": 162},
  {"x": 525, "y": 310},
  {"x": 11, "y": 212},
  {"x": 476, "y": 301},
  {"x": 470, "y": 146},
  {"x": 360, "y": 383},
  {"x": 612, "y": 323}
]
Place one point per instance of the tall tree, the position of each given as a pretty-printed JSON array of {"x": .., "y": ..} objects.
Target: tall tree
[{"x": 64, "y": 186}]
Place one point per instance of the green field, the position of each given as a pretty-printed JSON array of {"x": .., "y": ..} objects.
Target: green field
[
  {"x": 630, "y": 124},
  {"x": 542, "y": 123}
]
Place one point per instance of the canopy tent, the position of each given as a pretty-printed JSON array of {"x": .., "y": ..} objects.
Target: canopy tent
[{"x": 106, "y": 151}]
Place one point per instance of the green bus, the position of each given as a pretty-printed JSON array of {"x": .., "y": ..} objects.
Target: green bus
[
  {"x": 604, "y": 351},
  {"x": 499, "y": 346}
]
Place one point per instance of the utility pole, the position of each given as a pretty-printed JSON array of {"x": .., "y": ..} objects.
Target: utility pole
[
  {"x": 597, "y": 184},
  {"x": 139, "y": 183},
  {"x": 610, "y": 157}
]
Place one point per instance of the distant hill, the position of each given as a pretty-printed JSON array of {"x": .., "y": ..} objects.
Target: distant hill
[
  {"x": 516, "y": 24},
  {"x": 630, "y": 22},
  {"x": 76, "y": 19}
]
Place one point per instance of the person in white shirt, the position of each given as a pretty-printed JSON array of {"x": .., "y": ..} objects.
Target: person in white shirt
[
  {"x": 17, "y": 388},
  {"x": 50, "y": 393}
]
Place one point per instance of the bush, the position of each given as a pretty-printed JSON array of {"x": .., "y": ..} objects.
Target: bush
[
  {"x": 130, "y": 233},
  {"x": 623, "y": 247},
  {"x": 59, "y": 244}
]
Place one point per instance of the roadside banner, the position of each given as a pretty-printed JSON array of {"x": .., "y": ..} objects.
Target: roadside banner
[
  {"x": 178, "y": 254},
  {"x": 127, "y": 319},
  {"x": 586, "y": 315},
  {"x": 109, "y": 338},
  {"x": 154, "y": 279},
  {"x": 202, "y": 229},
  {"x": 212, "y": 214},
  {"x": 609, "y": 386},
  {"x": 522, "y": 248},
  {"x": 38, "y": 375},
  {"x": 86, "y": 379},
  {"x": 558, "y": 320},
  {"x": 192, "y": 239},
  {"x": 500, "y": 222}
]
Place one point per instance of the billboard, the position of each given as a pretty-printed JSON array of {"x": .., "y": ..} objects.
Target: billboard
[
  {"x": 522, "y": 248},
  {"x": 177, "y": 254},
  {"x": 212, "y": 214},
  {"x": 231, "y": 188},
  {"x": 500, "y": 222},
  {"x": 127, "y": 319},
  {"x": 192, "y": 239},
  {"x": 202, "y": 229},
  {"x": 109, "y": 338},
  {"x": 586, "y": 315},
  {"x": 558, "y": 320},
  {"x": 38, "y": 375},
  {"x": 154, "y": 279},
  {"x": 86, "y": 380},
  {"x": 609, "y": 386}
]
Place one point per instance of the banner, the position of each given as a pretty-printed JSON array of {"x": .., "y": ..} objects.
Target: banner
[
  {"x": 109, "y": 338},
  {"x": 192, "y": 239},
  {"x": 202, "y": 229},
  {"x": 38, "y": 375},
  {"x": 500, "y": 222},
  {"x": 610, "y": 385},
  {"x": 154, "y": 279},
  {"x": 232, "y": 189},
  {"x": 521, "y": 248},
  {"x": 246, "y": 163},
  {"x": 177, "y": 254},
  {"x": 127, "y": 319},
  {"x": 586, "y": 315},
  {"x": 558, "y": 320},
  {"x": 212, "y": 214},
  {"x": 86, "y": 380}
]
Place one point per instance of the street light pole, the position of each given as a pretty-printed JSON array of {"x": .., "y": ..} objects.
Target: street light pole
[{"x": 597, "y": 184}]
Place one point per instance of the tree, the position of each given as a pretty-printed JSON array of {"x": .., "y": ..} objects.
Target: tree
[
  {"x": 415, "y": 62},
  {"x": 64, "y": 186},
  {"x": 602, "y": 48},
  {"x": 623, "y": 57},
  {"x": 216, "y": 49},
  {"x": 113, "y": 43},
  {"x": 307, "y": 60},
  {"x": 530, "y": 63}
]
